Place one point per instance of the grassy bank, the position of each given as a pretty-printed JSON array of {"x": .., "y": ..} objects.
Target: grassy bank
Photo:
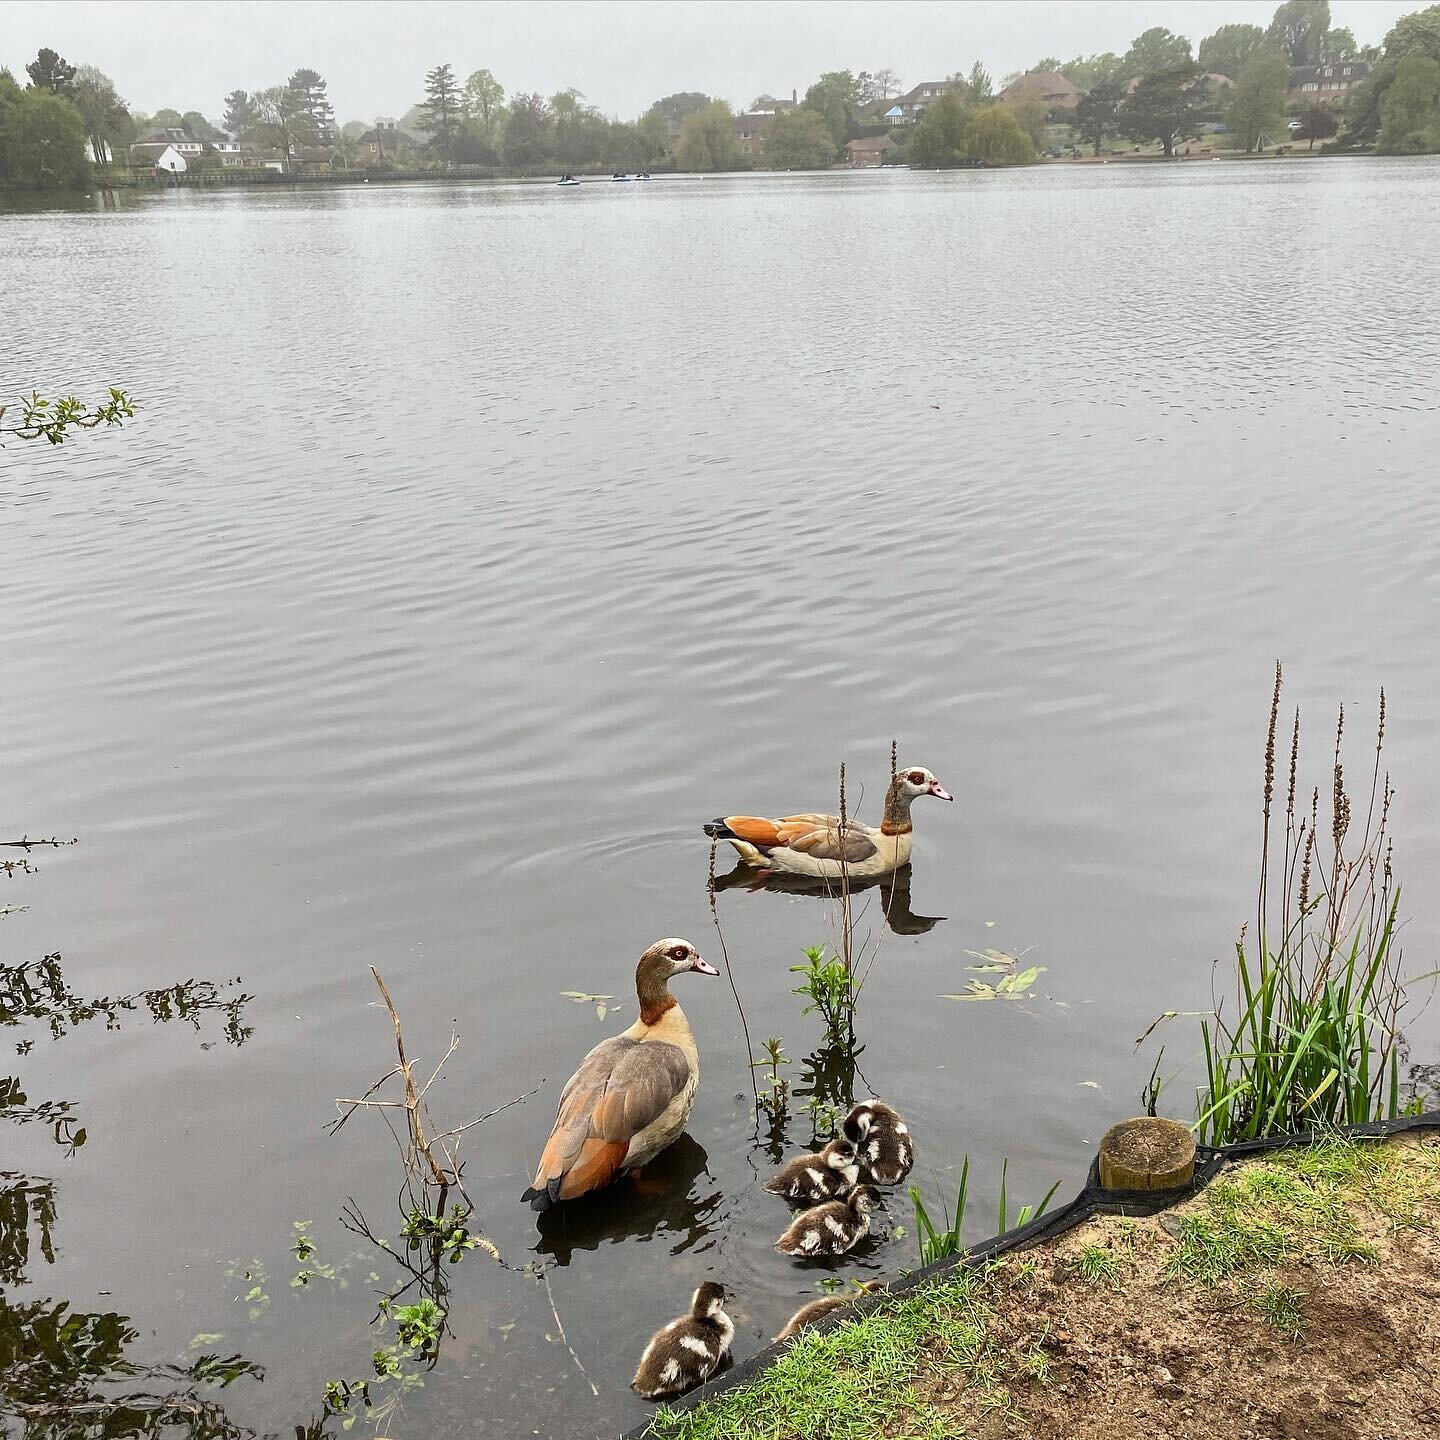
[{"x": 1297, "y": 1294}]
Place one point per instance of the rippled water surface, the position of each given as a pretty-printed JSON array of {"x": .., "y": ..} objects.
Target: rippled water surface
[{"x": 473, "y": 545}]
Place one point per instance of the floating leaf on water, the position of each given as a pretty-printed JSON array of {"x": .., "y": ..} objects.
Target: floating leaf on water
[
  {"x": 989, "y": 924},
  {"x": 600, "y": 1010},
  {"x": 1089, "y": 1084},
  {"x": 205, "y": 1338},
  {"x": 994, "y": 957}
]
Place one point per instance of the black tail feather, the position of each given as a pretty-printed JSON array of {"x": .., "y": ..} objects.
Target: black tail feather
[{"x": 717, "y": 829}]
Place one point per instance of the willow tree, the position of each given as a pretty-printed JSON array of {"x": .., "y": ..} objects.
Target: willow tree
[{"x": 995, "y": 136}]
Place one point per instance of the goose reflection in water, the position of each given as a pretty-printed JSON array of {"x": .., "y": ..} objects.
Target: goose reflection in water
[
  {"x": 894, "y": 893},
  {"x": 661, "y": 1200}
]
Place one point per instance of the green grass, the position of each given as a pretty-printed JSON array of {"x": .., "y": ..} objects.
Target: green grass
[
  {"x": 938, "y": 1242},
  {"x": 1270, "y": 1214},
  {"x": 1098, "y": 1262},
  {"x": 1280, "y": 1305}
]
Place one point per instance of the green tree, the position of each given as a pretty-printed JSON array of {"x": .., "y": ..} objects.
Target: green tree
[
  {"x": 1097, "y": 116},
  {"x": 167, "y": 119},
  {"x": 979, "y": 83},
  {"x": 707, "y": 139},
  {"x": 1409, "y": 120},
  {"x": 939, "y": 138},
  {"x": 1299, "y": 29},
  {"x": 674, "y": 108},
  {"x": 798, "y": 140},
  {"x": 1341, "y": 44},
  {"x": 102, "y": 112},
  {"x": 278, "y": 117},
  {"x": 1229, "y": 49},
  {"x": 10, "y": 93},
  {"x": 442, "y": 109},
  {"x": 527, "y": 130},
  {"x": 1317, "y": 122},
  {"x": 1415, "y": 34},
  {"x": 994, "y": 135},
  {"x": 47, "y": 71},
  {"x": 653, "y": 135},
  {"x": 1256, "y": 102},
  {"x": 482, "y": 102},
  {"x": 1154, "y": 52},
  {"x": 42, "y": 142},
  {"x": 1029, "y": 111},
  {"x": 1088, "y": 71},
  {"x": 1167, "y": 107},
  {"x": 197, "y": 127},
  {"x": 312, "y": 104},
  {"x": 832, "y": 97},
  {"x": 240, "y": 116}
]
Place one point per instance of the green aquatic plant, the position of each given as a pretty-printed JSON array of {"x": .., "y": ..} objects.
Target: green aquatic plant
[
  {"x": 825, "y": 982},
  {"x": 1313, "y": 1040},
  {"x": 938, "y": 1242}
]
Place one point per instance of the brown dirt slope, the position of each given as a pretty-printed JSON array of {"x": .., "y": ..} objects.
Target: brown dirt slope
[{"x": 1296, "y": 1298}]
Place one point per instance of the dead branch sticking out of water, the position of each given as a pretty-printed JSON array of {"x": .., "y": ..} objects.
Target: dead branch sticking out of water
[
  {"x": 550, "y": 1295},
  {"x": 730, "y": 976}
]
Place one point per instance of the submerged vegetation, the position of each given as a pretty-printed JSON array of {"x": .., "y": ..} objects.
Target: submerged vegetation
[
  {"x": 45, "y": 419},
  {"x": 1313, "y": 1038}
]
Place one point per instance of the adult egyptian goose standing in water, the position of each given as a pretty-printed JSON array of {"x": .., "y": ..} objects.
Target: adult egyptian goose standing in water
[
  {"x": 632, "y": 1093},
  {"x": 814, "y": 844}
]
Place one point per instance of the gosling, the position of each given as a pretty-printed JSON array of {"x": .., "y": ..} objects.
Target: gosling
[
  {"x": 834, "y": 1228},
  {"x": 689, "y": 1349},
  {"x": 830, "y": 1175},
  {"x": 881, "y": 1139},
  {"x": 809, "y": 1314}
]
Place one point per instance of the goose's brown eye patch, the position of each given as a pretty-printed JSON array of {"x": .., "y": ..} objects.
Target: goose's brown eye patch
[
  {"x": 678, "y": 952},
  {"x": 916, "y": 777}
]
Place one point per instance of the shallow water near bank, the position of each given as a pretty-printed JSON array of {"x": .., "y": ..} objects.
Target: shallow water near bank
[{"x": 473, "y": 545}]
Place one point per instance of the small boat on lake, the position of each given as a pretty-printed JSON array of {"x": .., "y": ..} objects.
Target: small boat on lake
[
  {"x": 618, "y": 176},
  {"x": 567, "y": 180}
]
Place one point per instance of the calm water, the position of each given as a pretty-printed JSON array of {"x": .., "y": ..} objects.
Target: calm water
[{"x": 474, "y": 545}]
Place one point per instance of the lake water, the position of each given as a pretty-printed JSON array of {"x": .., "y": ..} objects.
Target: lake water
[{"x": 473, "y": 545}]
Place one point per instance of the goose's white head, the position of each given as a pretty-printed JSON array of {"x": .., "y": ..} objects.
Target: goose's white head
[
  {"x": 675, "y": 957},
  {"x": 917, "y": 780}
]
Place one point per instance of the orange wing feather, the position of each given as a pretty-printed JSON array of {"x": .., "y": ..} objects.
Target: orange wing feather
[
  {"x": 754, "y": 829},
  {"x": 595, "y": 1166}
]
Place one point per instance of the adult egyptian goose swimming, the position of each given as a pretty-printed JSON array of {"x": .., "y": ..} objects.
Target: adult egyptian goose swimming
[
  {"x": 833, "y": 1228},
  {"x": 826, "y": 1305},
  {"x": 814, "y": 844},
  {"x": 632, "y": 1093},
  {"x": 689, "y": 1349},
  {"x": 882, "y": 1140},
  {"x": 829, "y": 1175}
]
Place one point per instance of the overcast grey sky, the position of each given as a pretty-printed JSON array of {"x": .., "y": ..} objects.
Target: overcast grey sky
[{"x": 621, "y": 55}]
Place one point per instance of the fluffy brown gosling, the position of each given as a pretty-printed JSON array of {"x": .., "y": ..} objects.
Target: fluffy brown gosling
[
  {"x": 689, "y": 1349},
  {"x": 882, "y": 1141},
  {"x": 830, "y": 1175},
  {"x": 834, "y": 1228},
  {"x": 809, "y": 1314}
]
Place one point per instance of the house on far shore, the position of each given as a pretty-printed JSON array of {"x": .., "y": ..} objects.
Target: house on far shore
[
  {"x": 912, "y": 107},
  {"x": 870, "y": 154},
  {"x": 159, "y": 156},
  {"x": 1056, "y": 91},
  {"x": 381, "y": 144},
  {"x": 1323, "y": 84},
  {"x": 750, "y": 131}
]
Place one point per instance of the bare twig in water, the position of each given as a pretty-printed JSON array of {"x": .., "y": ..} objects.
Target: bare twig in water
[
  {"x": 550, "y": 1295},
  {"x": 26, "y": 843},
  {"x": 730, "y": 976}
]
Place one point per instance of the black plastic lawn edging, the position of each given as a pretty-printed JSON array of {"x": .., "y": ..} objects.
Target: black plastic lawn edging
[{"x": 1094, "y": 1199}]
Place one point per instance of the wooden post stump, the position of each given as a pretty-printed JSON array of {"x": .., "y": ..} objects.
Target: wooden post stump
[{"x": 1147, "y": 1154}]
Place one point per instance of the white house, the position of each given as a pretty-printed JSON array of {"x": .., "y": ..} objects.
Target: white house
[{"x": 163, "y": 157}]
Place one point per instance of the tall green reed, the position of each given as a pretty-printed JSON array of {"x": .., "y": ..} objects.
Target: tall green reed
[
  {"x": 1314, "y": 1036},
  {"x": 937, "y": 1242}
]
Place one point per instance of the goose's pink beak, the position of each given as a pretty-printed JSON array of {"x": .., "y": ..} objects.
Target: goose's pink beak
[
  {"x": 703, "y": 966},
  {"x": 939, "y": 791}
]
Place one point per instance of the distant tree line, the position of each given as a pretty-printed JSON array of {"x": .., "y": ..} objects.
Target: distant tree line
[{"x": 69, "y": 117}]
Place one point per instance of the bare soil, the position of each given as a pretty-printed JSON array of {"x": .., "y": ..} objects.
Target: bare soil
[{"x": 1138, "y": 1355}]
